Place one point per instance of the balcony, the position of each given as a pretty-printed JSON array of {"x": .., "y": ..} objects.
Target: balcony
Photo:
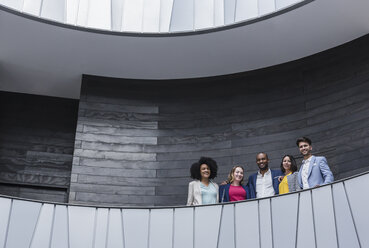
[{"x": 334, "y": 215}]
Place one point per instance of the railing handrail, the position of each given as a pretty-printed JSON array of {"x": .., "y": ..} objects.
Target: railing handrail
[{"x": 179, "y": 206}]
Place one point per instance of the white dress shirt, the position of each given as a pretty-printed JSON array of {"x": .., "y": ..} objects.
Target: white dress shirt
[
  {"x": 305, "y": 173},
  {"x": 264, "y": 185}
]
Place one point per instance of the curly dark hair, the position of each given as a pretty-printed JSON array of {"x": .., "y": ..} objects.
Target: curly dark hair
[
  {"x": 293, "y": 164},
  {"x": 195, "y": 168}
]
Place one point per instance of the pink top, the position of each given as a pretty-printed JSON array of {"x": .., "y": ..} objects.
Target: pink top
[{"x": 237, "y": 193}]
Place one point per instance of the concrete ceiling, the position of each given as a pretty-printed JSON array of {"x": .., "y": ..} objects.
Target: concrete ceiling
[{"x": 42, "y": 58}]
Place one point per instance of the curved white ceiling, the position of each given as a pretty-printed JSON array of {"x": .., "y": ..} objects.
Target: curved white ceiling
[
  {"x": 154, "y": 16},
  {"x": 42, "y": 58}
]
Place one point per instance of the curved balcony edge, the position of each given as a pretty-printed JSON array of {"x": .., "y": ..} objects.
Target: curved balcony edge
[
  {"x": 333, "y": 215},
  {"x": 177, "y": 206}
]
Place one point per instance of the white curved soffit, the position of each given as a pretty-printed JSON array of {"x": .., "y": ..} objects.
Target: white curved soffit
[
  {"x": 153, "y": 16},
  {"x": 333, "y": 216},
  {"x": 46, "y": 59}
]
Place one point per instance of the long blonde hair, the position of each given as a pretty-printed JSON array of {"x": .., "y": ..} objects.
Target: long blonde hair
[{"x": 230, "y": 175}]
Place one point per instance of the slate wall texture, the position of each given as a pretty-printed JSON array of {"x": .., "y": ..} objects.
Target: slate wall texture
[
  {"x": 36, "y": 145},
  {"x": 136, "y": 139}
]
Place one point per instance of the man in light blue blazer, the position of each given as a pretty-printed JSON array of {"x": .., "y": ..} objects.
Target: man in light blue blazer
[{"x": 314, "y": 170}]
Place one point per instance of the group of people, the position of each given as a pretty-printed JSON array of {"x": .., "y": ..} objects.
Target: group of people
[{"x": 313, "y": 172}]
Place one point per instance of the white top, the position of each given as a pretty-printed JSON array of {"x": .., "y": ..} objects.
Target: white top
[
  {"x": 305, "y": 173},
  {"x": 264, "y": 185}
]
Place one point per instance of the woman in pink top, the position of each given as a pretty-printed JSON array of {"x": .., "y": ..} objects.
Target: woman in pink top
[{"x": 234, "y": 190}]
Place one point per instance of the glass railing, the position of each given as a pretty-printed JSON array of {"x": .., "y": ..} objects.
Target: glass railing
[
  {"x": 150, "y": 16},
  {"x": 334, "y": 215}
]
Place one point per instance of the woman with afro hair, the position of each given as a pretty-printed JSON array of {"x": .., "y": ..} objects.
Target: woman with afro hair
[{"x": 202, "y": 190}]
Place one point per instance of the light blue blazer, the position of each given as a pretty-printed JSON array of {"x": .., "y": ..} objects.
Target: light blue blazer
[{"x": 319, "y": 172}]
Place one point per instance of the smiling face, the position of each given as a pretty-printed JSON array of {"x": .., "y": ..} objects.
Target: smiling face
[
  {"x": 262, "y": 161},
  {"x": 238, "y": 175},
  {"x": 305, "y": 149},
  {"x": 204, "y": 171},
  {"x": 286, "y": 163}
]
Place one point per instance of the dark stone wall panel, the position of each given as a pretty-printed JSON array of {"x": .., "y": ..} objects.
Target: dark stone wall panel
[
  {"x": 129, "y": 181},
  {"x": 187, "y": 147},
  {"x": 33, "y": 179},
  {"x": 87, "y": 170},
  {"x": 121, "y": 123},
  {"x": 122, "y": 108},
  {"x": 25, "y": 191},
  {"x": 36, "y": 145},
  {"x": 111, "y": 189},
  {"x": 136, "y": 139},
  {"x": 118, "y": 139},
  {"x": 132, "y": 200},
  {"x": 115, "y": 155},
  {"x": 94, "y": 128}
]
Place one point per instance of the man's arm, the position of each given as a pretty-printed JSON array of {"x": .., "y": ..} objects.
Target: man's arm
[
  {"x": 251, "y": 186},
  {"x": 277, "y": 176},
  {"x": 326, "y": 172}
]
